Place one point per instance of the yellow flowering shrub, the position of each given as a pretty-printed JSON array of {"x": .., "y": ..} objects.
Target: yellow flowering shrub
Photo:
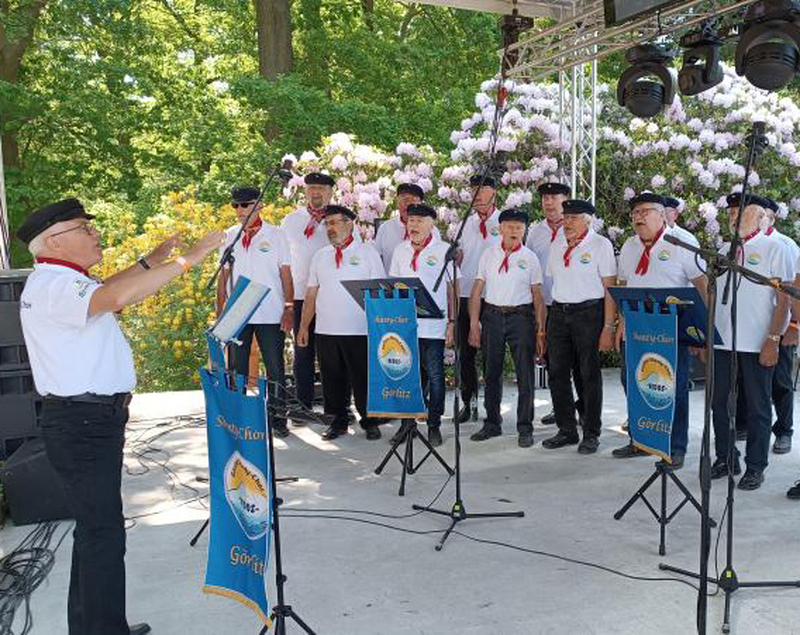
[{"x": 167, "y": 331}]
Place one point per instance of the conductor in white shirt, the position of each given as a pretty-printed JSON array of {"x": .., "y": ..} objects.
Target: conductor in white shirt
[{"x": 83, "y": 367}]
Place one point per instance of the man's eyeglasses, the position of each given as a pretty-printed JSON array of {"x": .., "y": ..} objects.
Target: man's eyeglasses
[
  {"x": 643, "y": 211},
  {"x": 87, "y": 227},
  {"x": 242, "y": 205}
]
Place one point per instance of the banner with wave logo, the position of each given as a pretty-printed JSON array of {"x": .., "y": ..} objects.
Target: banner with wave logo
[
  {"x": 241, "y": 506},
  {"x": 393, "y": 356},
  {"x": 651, "y": 357}
]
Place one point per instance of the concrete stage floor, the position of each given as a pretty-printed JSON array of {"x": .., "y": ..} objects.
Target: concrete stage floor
[{"x": 358, "y": 579}]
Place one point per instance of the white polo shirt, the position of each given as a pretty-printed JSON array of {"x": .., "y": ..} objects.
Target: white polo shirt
[
  {"x": 590, "y": 261},
  {"x": 473, "y": 245},
  {"x": 540, "y": 238},
  {"x": 303, "y": 248},
  {"x": 337, "y": 312},
  {"x": 429, "y": 263},
  {"x": 755, "y": 303},
  {"x": 790, "y": 246},
  {"x": 390, "y": 234},
  {"x": 70, "y": 352},
  {"x": 512, "y": 287},
  {"x": 684, "y": 234},
  {"x": 670, "y": 265},
  {"x": 262, "y": 262}
]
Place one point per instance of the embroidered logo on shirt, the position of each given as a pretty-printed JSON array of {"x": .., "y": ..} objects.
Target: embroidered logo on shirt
[
  {"x": 82, "y": 287},
  {"x": 664, "y": 255},
  {"x": 431, "y": 260},
  {"x": 522, "y": 264},
  {"x": 495, "y": 231},
  {"x": 264, "y": 246},
  {"x": 355, "y": 260},
  {"x": 754, "y": 258},
  {"x": 586, "y": 258}
]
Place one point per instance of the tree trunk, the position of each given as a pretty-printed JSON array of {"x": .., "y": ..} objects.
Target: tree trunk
[{"x": 274, "y": 27}]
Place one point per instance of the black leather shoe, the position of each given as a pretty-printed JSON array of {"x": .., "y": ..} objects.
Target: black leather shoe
[
  {"x": 402, "y": 431},
  {"x": 627, "y": 452},
  {"x": 280, "y": 431},
  {"x": 465, "y": 414},
  {"x": 559, "y": 441},
  {"x": 486, "y": 432},
  {"x": 373, "y": 433},
  {"x": 751, "y": 480},
  {"x": 741, "y": 435},
  {"x": 332, "y": 432},
  {"x": 589, "y": 445},
  {"x": 676, "y": 462},
  {"x": 139, "y": 629},
  {"x": 782, "y": 445},
  {"x": 435, "y": 436},
  {"x": 549, "y": 419},
  {"x": 720, "y": 468},
  {"x": 794, "y": 492},
  {"x": 525, "y": 439}
]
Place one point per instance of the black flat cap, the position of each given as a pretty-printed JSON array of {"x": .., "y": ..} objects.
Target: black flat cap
[
  {"x": 771, "y": 204},
  {"x": 331, "y": 210},
  {"x": 483, "y": 181},
  {"x": 318, "y": 178},
  {"x": 245, "y": 194},
  {"x": 647, "y": 197},
  {"x": 48, "y": 216},
  {"x": 671, "y": 201},
  {"x": 411, "y": 188},
  {"x": 513, "y": 214},
  {"x": 577, "y": 206},
  {"x": 734, "y": 199},
  {"x": 420, "y": 209},
  {"x": 554, "y": 188}
]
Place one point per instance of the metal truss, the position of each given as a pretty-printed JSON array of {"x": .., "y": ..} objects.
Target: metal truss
[
  {"x": 578, "y": 121},
  {"x": 5, "y": 238},
  {"x": 583, "y": 37}
]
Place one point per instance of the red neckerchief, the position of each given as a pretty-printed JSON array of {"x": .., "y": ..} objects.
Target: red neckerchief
[
  {"x": 316, "y": 219},
  {"x": 341, "y": 248},
  {"x": 644, "y": 261},
  {"x": 769, "y": 231},
  {"x": 417, "y": 251},
  {"x": 571, "y": 247},
  {"x": 251, "y": 231},
  {"x": 482, "y": 226},
  {"x": 63, "y": 263},
  {"x": 553, "y": 231},
  {"x": 504, "y": 264},
  {"x": 405, "y": 226},
  {"x": 740, "y": 249}
]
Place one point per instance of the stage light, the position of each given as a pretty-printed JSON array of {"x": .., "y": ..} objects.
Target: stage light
[
  {"x": 700, "y": 70},
  {"x": 645, "y": 97},
  {"x": 768, "y": 53}
]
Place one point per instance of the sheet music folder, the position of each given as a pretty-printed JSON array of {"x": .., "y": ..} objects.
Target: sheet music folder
[{"x": 426, "y": 306}]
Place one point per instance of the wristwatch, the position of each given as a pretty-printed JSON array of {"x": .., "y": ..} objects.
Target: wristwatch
[
  {"x": 774, "y": 338},
  {"x": 143, "y": 263}
]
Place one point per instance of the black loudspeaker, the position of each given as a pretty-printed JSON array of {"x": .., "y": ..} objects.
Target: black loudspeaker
[{"x": 32, "y": 488}]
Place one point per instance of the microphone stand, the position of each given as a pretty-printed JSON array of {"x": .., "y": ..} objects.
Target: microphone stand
[
  {"x": 717, "y": 265},
  {"x": 458, "y": 511}
]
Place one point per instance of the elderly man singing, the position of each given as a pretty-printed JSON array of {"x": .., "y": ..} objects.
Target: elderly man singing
[{"x": 83, "y": 367}]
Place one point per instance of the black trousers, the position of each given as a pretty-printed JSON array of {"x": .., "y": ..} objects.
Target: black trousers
[
  {"x": 304, "y": 357},
  {"x": 576, "y": 370},
  {"x": 270, "y": 342},
  {"x": 518, "y": 331},
  {"x": 84, "y": 444},
  {"x": 757, "y": 384},
  {"x": 574, "y": 333},
  {"x": 467, "y": 355},
  {"x": 343, "y": 361},
  {"x": 782, "y": 396}
]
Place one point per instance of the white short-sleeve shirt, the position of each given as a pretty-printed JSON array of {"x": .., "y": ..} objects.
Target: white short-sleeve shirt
[
  {"x": 337, "y": 312},
  {"x": 512, "y": 287},
  {"x": 261, "y": 262},
  {"x": 540, "y": 238},
  {"x": 670, "y": 265},
  {"x": 429, "y": 263},
  {"x": 590, "y": 261},
  {"x": 473, "y": 245},
  {"x": 684, "y": 234},
  {"x": 755, "y": 303},
  {"x": 70, "y": 352},
  {"x": 789, "y": 245},
  {"x": 390, "y": 234}
]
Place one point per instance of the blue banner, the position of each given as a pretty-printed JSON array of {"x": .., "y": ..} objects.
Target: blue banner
[
  {"x": 393, "y": 356},
  {"x": 241, "y": 505},
  {"x": 651, "y": 357}
]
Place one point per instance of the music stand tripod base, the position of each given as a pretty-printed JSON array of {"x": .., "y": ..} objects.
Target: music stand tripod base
[
  {"x": 407, "y": 436},
  {"x": 663, "y": 518}
]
